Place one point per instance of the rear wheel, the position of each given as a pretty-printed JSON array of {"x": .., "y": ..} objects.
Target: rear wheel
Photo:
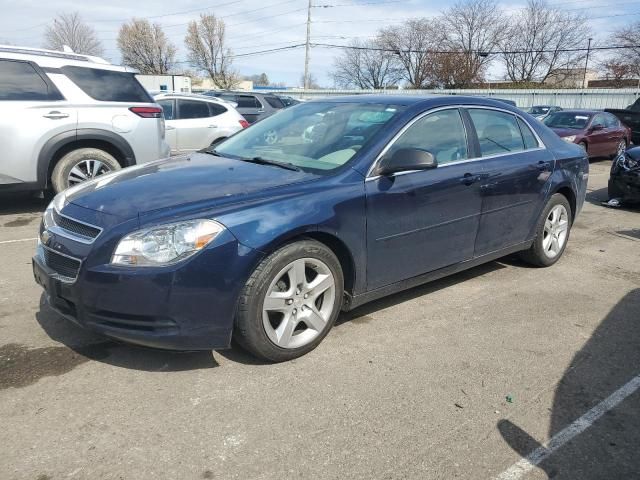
[
  {"x": 290, "y": 302},
  {"x": 552, "y": 233},
  {"x": 81, "y": 165}
]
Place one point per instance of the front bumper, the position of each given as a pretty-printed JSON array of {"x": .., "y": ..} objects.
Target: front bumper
[{"x": 189, "y": 306}]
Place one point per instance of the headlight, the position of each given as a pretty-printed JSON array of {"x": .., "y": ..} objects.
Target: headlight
[
  {"x": 165, "y": 244},
  {"x": 569, "y": 139}
]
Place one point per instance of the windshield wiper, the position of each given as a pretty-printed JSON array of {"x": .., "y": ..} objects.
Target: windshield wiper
[{"x": 275, "y": 163}]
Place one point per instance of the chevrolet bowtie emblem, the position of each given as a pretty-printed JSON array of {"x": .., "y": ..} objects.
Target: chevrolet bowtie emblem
[{"x": 45, "y": 236}]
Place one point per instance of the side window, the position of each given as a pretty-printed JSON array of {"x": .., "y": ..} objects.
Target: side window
[
  {"x": 108, "y": 85},
  {"x": 440, "y": 133},
  {"x": 275, "y": 102},
  {"x": 189, "y": 109},
  {"x": 167, "y": 108},
  {"x": 20, "y": 81},
  {"x": 612, "y": 122},
  {"x": 247, "y": 101},
  {"x": 215, "y": 109},
  {"x": 599, "y": 119},
  {"x": 530, "y": 140},
  {"x": 498, "y": 132}
]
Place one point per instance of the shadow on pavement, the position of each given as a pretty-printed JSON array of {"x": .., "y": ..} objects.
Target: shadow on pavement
[
  {"x": 610, "y": 448},
  {"x": 94, "y": 347},
  {"x": 14, "y": 203}
]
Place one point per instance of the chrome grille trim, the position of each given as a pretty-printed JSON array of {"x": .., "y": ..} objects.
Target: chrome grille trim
[{"x": 82, "y": 232}]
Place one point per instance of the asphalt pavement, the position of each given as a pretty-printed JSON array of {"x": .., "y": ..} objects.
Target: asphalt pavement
[{"x": 504, "y": 371}]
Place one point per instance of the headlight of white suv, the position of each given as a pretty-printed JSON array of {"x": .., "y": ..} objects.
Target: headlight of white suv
[
  {"x": 569, "y": 139},
  {"x": 165, "y": 244}
]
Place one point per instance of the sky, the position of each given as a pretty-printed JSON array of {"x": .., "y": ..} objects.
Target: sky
[{"x": 256, "y": 25}]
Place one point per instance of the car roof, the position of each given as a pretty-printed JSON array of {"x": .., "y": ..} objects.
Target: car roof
[
  {"x": 424, "y": 100},
  {"x": 57, "y": 59}
]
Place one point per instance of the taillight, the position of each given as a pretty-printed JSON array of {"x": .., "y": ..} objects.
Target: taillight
[
  {"x": 147, "y": 112},
  {"x": 244, "y": 123}
]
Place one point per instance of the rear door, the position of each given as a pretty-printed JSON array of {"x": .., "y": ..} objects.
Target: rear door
[
  {"x": 516, "y": 169},
  {"x": 249, "y": 107},
  {"x": 194, "y": 125},
  {"x": 33, "y": 111}
]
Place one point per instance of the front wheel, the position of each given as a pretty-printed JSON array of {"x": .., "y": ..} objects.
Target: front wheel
[
  {"x": 621, "y": 147},
  {"x": 552, "y": 233},
  {"x": 290, "y": 302}
]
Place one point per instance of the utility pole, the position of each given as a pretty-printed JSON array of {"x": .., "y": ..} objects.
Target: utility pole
[
  {"x": 586, "y": 64},
  {"x": 306, "y": 52}
]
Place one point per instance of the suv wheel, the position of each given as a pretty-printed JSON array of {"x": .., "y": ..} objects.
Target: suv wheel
[
  {"x": 290, "y": 302},
  {"x": 81, "y": 165},
  {"x": 552, "y": 233}
]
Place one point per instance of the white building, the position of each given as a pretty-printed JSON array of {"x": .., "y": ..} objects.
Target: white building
[{"x": 165, "y": 83}]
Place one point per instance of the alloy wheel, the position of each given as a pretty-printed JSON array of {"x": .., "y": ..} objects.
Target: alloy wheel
[
  {"x": 622, "y": 146},
  {"x": 556, "y": 227},
  {"x": 299, "y": 303},
  {"x": 86, "y": 170}
]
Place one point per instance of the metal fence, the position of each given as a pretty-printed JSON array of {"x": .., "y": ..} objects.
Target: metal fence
[{"x": 590, "y": 98}]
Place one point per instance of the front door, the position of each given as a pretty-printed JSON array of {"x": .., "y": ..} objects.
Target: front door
[
  {"x": 516, "y": 173},
  {"x": 599, "y": 137},
  {"x": 420, "y": 221}
]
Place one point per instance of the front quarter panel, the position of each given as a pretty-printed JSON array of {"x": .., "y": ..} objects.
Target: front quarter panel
[{"x": 331, "y": 205}]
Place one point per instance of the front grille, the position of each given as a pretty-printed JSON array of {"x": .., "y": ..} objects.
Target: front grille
[
  {"x": 61, "y": 264},
  {"x": 75, "y": 227}
]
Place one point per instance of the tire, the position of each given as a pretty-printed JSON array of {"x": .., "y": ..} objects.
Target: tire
[
  {"x": 87, "y": 162},
  {"x": 613, "y": 191},
  {"x": 541, "y": 253},
  {"x": 274, "y": 320},
  {"x": 621, "y": 146}
]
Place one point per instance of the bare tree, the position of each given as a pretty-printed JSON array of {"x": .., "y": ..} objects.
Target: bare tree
[
  {"x": 537, "y": 40},
  {"x": 205, "y": 42},
  {"x": 414, "y": 43},
  {"x": 145, "y": 47},
  {"x": 312, "y": 82},
  {"x": 628, "y": 37},
  {"x": 367, "y": 65},
  {"x": 471, "y": 29},
  {"x": 616, "y": 71},
  {"x": 69, "y": 29}
]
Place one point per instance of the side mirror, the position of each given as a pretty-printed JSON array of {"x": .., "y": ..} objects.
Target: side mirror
[
  {"x": 407, "y": 159},
  {"x": 596, "y": 127}
]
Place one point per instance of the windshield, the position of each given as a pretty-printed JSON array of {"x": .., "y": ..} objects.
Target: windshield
[
  {"x": 539, "y": 110},
  {"x": 577, "y": 121},
  {"x": 317, "y": 136}
]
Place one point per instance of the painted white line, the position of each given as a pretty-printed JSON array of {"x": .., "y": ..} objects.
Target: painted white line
[
  {"x": 517, "y": 470},
  {"x": 19, "y": 240}
]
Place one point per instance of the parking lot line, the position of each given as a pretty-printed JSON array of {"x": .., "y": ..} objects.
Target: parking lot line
[
  {"x": 517, "y": 470},
  {"x": 19, "y": 240}
]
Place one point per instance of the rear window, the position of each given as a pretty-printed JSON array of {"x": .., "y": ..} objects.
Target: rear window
[
  {"x": 21, "y": 81},
  {"x": 275, "y": 102},
  {"x": 247, "y": 101},
  {"x": 107, "y": 85},
  {"x": 215, "y": 109},
  {"x": 193, "y": 109}
]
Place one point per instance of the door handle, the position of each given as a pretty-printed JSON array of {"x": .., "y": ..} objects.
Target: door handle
[
  {"x": 212, "y": 126},
  {"x": 169, "y": 127},
  {"x": 469, "y": 179},
  {"x": 54, "y": 115}
]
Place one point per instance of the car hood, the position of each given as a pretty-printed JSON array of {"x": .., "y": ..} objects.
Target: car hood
[
  {"x": 566, "y": 132},
  {"x": 198, "y": 178}
]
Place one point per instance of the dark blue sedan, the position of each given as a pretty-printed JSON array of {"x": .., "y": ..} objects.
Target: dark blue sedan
[{"x": 322, "y": 207}]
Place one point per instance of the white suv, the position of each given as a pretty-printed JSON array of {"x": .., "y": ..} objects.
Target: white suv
[
  {"x": 195, "y": 121},
  {"x": 67, "y": 118}
]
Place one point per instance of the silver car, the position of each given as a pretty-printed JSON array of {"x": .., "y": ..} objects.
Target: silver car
[
  {"x": 194, "y": 122},
  {"x": 68, "y": 118}
]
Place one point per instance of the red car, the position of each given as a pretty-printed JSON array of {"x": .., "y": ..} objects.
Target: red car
[{"x": 599, "y": 133}]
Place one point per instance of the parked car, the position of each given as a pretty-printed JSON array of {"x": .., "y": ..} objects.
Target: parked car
[
  {"x": 252, "y": 106},
  {"x": 624, "y": 180},
  {"x": 194, "y": 122},
  {"x": 629, "y": 117},
  {"x": 599, "y": 133},
  {"x": 541, "y": 111},
  {"x": 67, "y": 118},
  {"x": 269, "y": 242}
]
